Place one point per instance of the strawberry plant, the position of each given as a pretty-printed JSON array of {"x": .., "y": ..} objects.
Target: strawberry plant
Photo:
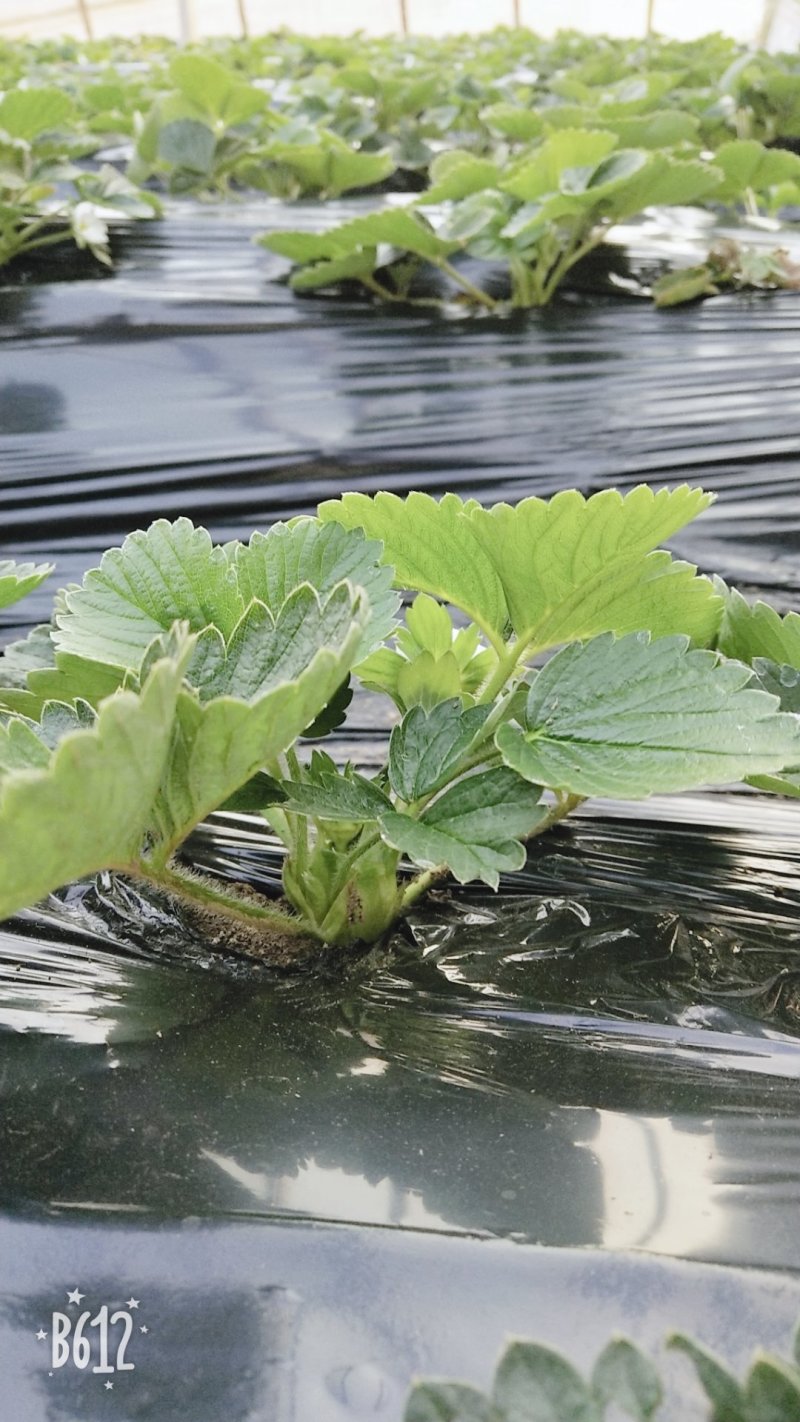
[
  {"x": 551, "y": 651},
  {"x": 532, "y": 1381}
]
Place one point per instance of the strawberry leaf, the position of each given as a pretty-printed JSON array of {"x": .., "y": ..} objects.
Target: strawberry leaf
[
  {"x": 19, "y": 579},
  {"x": 631, "y": 718}
]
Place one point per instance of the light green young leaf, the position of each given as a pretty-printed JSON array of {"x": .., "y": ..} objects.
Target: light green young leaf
[
  {"x": 572, "y": 567},
  {"x": 748, "y": 164},
  {"x": 21, "y": 748},
  {"x": 664, "y": 128},
  {"x": 456, "y": 175},
  {"x": 625, "y": 1376},
  {"x": 772, "y": 1390},
  {"x": 427, "y": 746},
  {"x": 89, "y": 807},
  {"x": 428, "y": 628},
  {"x": 70, "y": 679},
  {"x": 471, "y": 827},
  {"x": 214, "y": 89},
  {"x": 449, "y": 1402},
  {"x": 170, "y": 572},
  {"x": 220, "y": 744},
  {"x": 427, "y": 680},
  {"x": 27, "y": 113},
  {"x": 520, "y": 125},
  {"x": 19, "y": 579},
  {"x": 629, "y": 718},
  {"x": 536, "y": 1384},
  {"x": 664, "y": 182},
  {"x": 353, "y": 266},
  {"x": 432, "y": 547},
  {"x": 398, "y": 227},
  {"x": 272, "y": 565},
  {"x": 332, "y": 796},
  {"x": 721, "y": 1387},
  {"x": 302, "y": 246},
  {"x": 757, "y": 630}
]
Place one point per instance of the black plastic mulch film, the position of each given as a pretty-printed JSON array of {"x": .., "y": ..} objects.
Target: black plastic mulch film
[{"x": 607, "y": 1055}]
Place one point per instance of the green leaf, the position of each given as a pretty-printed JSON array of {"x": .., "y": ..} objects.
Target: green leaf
[
  {"x": 720, "y": 1386},
  {"x": 571, "y": 567},
  {"x": 21, "y": 748},
  {"x": 748, "y": 164},
  {"x": 220, "y": 744},
  {"x": 432, "y": 547},
  {"x": 332, "y": 715},
  {"x": 772, "y": 1390},
  {"x": 19, "y": 579},
  {"x": 171, "y": 572},
  {"x": 537, "y": 1384},
  {"x": 458, "y": 175},
  {"x": 187, "y": 143},
  {"x": 272, "y": 565},
  {"x": 28, "y": 654},
  {"x": 781, "y": 681},
  {"x": 664, "y": 182},
  {"x": 658, "y": 130},
  {"x": 399, "y": 227},
  {"x": 448, "y": 1402},
  {"x": 625, "y": 1376},
  {"x": 89, "y": 807},
  {"x": 335, "y": 796},
  {"x": 301, "y": 246},
  {"x": 425, "y": 749},
  {"x": 27, "y": 113},
  {"x": 354, "y": 266},
  {"x": 521, "y": 125},
  {"x": 70, "y": 678},
  {"x": 265, "y": 648},
  {"x": 629, "y": 718},
  {"x": 568, "y": 151},
  {"x": 687, "y": 284},
  {"x": 427, "y": 680},
  {"x": 470, "y": 827},
  {"x": 757, "y": 630},
  {"x": 428, "y": 628}
]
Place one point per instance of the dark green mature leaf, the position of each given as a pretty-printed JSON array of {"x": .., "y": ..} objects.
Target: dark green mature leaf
[
  {"x": 88, "y": 807},
  {"x": 28, "y": 654},
  {"x": 449, "y": 1402},
  {"x": 471, "y": 827},
  {"x": 19, "y": 579},
  {"x": 426, "y": 747},
  {"x": 432, "y": 547},
  {"x": 772, "y": 1390},
  {"x": 170, "y": 572},
  {"x": 272, "y": 565},
  {"x": 630, "y": 718},
  {"x": 572, "y": 567},
  {"x": 721, "y": 1387},
  {"x": 187, "y": 143},
  {"x": 625, "y": 1376},
  {"x": 536, "y": 1384},
  {"x": 757, "y": 630},
  {"x": 265, "y": 649},
  {"x": 334, "y": 796}
]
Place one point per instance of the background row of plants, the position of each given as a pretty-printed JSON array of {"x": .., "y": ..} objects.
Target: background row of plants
[{"x": 511, "y": 148}]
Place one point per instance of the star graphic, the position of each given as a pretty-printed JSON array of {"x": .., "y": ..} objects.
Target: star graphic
[
  {"x": 143, "y": 1328},
  {"x": 109, "y": 1386},
  {"x": 75, "y": 1297},
  {"x": 41, "y": 1335},
  {"x": 132, "y": 1303}
]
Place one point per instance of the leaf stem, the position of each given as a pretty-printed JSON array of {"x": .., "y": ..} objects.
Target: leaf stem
[
  {"x": 200, "y": 892},
  {"x": 482, "y": 297}
]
